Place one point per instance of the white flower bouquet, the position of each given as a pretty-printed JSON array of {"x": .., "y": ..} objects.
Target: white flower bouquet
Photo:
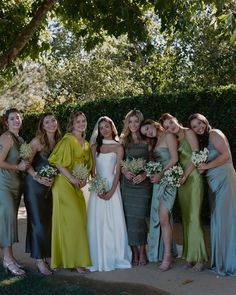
[
  {"x": 47, "y": 171},
  {"x": 25, "y": 151},
  {"x": 133, "y": 165},
  {"x": 80, "y": 171},
  {"x": 98, "y": 185},
  {"x": 173, "y": 175},
  {"x": 200, "y": 156},
  {"x": 153, "y": 167}
]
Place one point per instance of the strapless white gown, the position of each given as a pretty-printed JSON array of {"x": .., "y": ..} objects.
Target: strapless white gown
[{"x": 107, "y": 232}]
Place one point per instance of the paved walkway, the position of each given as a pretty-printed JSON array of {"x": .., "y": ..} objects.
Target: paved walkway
[{"x": 176, "y": 281}]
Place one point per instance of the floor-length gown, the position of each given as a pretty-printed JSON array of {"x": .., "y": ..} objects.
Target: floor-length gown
[
  {"x": 136, "y": 199},
  {"x": 38, "y": 203},
  {"x": 10, "y": 195},
  {"x": 190, "y": 196},
  {"x": 106, "y": 223},
  {"x": 70, "y": 247},
  {"x": 222, "y": 183},
  {"x": 162, "y": 192}
]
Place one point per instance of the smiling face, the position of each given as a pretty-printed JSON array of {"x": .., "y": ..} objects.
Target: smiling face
[
  {"x": 198, "y": 126},
  {"x": 171, "y": 125},
  {"x": 134, "y": 124},
  {"x": 79, "y": 124},
  {"x": 14, "y": 121},
  {"x": 149, "y": 130},
  {"x": 50, "y": 124},
  {"x": 105, "y": 129}
]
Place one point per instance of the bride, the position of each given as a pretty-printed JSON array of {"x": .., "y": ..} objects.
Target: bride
[{"x": 106, "y": 223}]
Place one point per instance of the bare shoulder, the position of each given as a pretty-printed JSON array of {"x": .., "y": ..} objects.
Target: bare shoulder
[
  {"x": 214, "y": 133},
  {"x": 189, "y": 132},
  {"x": 6, "y": 138},
  {"x": 170, "y": 136}
]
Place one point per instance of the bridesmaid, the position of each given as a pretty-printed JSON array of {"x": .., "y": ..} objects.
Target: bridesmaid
[
  {"x": 10, "y": 187},
  {"x": 163, "y": 197},
  {"x": 70, "y": 247},
  {"x": 136, "y": 189},
  {"x": 37, "y": 195},
  {"x": 190, "y": 194},
  {"x": 221, "y": 178}
]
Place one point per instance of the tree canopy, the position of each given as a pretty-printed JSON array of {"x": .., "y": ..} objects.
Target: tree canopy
[{"x": 24, "y": 23}]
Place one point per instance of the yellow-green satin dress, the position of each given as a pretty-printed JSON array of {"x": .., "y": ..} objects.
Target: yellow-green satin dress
[
  {"x": 69, "y": 221},
  {"x": 190, "y": 196}
]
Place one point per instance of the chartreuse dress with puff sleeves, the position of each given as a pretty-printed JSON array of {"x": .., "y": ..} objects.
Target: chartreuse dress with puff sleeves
[{"x": 70, "y": 247}]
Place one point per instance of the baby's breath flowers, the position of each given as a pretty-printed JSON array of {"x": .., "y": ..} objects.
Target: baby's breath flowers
[
  {"x": 133, "y": 165},
  {"x": 25, "y": 151},
  {"x": 173, "y": 175},
  {"x": 80, "y": 172},
  {"x": 153, "y": 167},
  {"x": 199, "y": 156},
  {"x": 47, "y": 171},
  {"x": 98, "y": 185}
]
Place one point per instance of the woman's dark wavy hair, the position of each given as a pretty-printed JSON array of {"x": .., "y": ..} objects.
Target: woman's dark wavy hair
[
  {"x": 100, "y": 137},
  {"x": 204, "y": 138},
  {"x": 42, "y": 134}
]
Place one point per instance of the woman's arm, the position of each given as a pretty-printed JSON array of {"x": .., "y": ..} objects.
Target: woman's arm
[
  {"x": 120, "y": 155},
  {"x": 73, "y": 180},
  {"x": 220, "y": 142},
  {"x": 93, "y": 150},
  {"x": 6, "y": 143}
]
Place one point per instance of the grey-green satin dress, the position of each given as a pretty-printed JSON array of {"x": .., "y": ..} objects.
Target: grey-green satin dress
[
  {"x": 38, "y": 203},
  {"x": 10, "y": 195},
  {"x": 136, "y": 199},
  {"x": 165, "y": 193},
  {"x": 222, "y": 183}
]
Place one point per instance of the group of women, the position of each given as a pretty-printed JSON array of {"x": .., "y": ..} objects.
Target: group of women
[{"x": 113, "y": 231}]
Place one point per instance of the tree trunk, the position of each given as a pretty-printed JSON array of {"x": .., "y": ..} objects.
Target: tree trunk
[{"x": 26, "y": 34}]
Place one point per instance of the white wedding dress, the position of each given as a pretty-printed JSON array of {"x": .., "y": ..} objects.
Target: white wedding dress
[{"x": 106, "y": 222}]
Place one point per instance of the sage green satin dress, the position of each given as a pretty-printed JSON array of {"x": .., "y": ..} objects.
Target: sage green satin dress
[
  {"x": 10, "y": 195},
  {"x": 162, "y": 192},
  {"x": 190, "y": 196}
]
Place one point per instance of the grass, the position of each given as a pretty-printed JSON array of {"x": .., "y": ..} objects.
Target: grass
[{"x": 34, "y": 283}]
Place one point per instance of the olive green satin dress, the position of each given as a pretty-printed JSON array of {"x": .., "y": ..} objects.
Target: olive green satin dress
[
  {"x": 10, "y": 195},
  {"x": 70, "y": 246},
  {"x": 190, "y": 196}
]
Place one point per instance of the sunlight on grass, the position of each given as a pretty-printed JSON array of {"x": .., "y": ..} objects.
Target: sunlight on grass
[{"x": 10, "y": 281}]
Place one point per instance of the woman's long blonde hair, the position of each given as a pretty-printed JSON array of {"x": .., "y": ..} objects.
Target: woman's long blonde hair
[{"x": 126, "y": 136}]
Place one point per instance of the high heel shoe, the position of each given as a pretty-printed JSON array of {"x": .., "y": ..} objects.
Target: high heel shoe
[
  {"x": 43, "y": 268},
  {"x": 12, "y": 267},
  {"x": 166, "y": 263}
]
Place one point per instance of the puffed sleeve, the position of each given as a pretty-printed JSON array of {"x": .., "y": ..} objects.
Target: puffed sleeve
[{"x": 63, "y": 153}]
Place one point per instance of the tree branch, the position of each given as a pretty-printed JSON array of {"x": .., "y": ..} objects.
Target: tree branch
[{"x": 26, "y": 34}]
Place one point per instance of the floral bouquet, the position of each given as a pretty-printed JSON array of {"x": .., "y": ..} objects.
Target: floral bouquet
[
  {"x": 47, "y": 171},
  {"x": 173, "y": 175},
  {"x": 98, "y": 185},
  {"x": 80, "y": 171},
  {"x": 153, "y": 167},
  {"x": 199, "y": 156},
  {"x": 25, "y": 151},
  {"x": 135, "y": 166}
]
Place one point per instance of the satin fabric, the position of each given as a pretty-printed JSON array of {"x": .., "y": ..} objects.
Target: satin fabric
[
  {"x": 38, "y": 203},
  {"x": 69, "y": 219},
  {"x": 190, "y": 196},
  {"x": 222, "y": 183},
  {"x": 106, "y": 223},
  {"x": 10, "y": 195},
  {"x": 165, "y": 193}
]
